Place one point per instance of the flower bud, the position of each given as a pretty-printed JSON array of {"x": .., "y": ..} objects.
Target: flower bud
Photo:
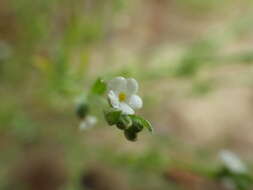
[
  {"x": 137, "y": 127},
  {"x": 121, "y": 125},
  {"x": 124, "y": 122},
  {"x": 130, "y": 134},
  {"x": 82, "y": 110}
]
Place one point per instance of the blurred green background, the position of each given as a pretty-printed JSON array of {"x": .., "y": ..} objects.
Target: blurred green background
[{"x": 192, "y": 58}]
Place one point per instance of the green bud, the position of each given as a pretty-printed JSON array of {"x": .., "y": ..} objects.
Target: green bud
[
  {"x": 139, "y": 121},
  {"x": 137, "y": 126},
  {"x": 124, "y": 122},
  {"x": 120, "y": 125},
  {"x": 82, "y": 110},
  {"x": 130, "y": 134}
]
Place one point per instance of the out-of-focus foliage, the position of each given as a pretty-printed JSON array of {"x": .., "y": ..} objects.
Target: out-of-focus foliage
[{"x": 193, "y": 59}]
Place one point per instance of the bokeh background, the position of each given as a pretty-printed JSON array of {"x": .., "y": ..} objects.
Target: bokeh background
[{"x": 192, "y": 58}]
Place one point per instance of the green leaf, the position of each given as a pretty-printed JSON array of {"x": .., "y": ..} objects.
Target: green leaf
[
  {"x": 99, "y": 87},
  {"x": 112, "y": 116},
  {"x": 145, "y": 123}
]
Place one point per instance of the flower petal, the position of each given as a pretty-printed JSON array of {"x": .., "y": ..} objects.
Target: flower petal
[
  {"x": 135, "y": 102},
  {"x": 83, "y": 125},
  {"x": 91, "y": 120},
  {"x": 88, "y": 122},
  {"x": 118, "y": 84},
  {"x": 126, "y": 109},
  {"x": 232, "y": 162},
  {"x": 113, "y": 99},
  {"x": 132, "y": 86}
]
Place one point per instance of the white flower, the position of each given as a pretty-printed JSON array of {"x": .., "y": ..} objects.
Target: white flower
[
  {"x": 232, "y": 162},
  {"x": 88, "y": 122},
  {"x": 122, "y": 94}
]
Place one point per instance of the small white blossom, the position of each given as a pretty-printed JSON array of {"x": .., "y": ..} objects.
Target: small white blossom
[
  {"x": 122, "y": 94},
  {"x": 88, "y": 122},
  {"x": 232, "y": 162}
]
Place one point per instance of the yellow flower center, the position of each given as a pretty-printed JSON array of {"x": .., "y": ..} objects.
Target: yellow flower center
[{"x": 122, "y": 97}]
